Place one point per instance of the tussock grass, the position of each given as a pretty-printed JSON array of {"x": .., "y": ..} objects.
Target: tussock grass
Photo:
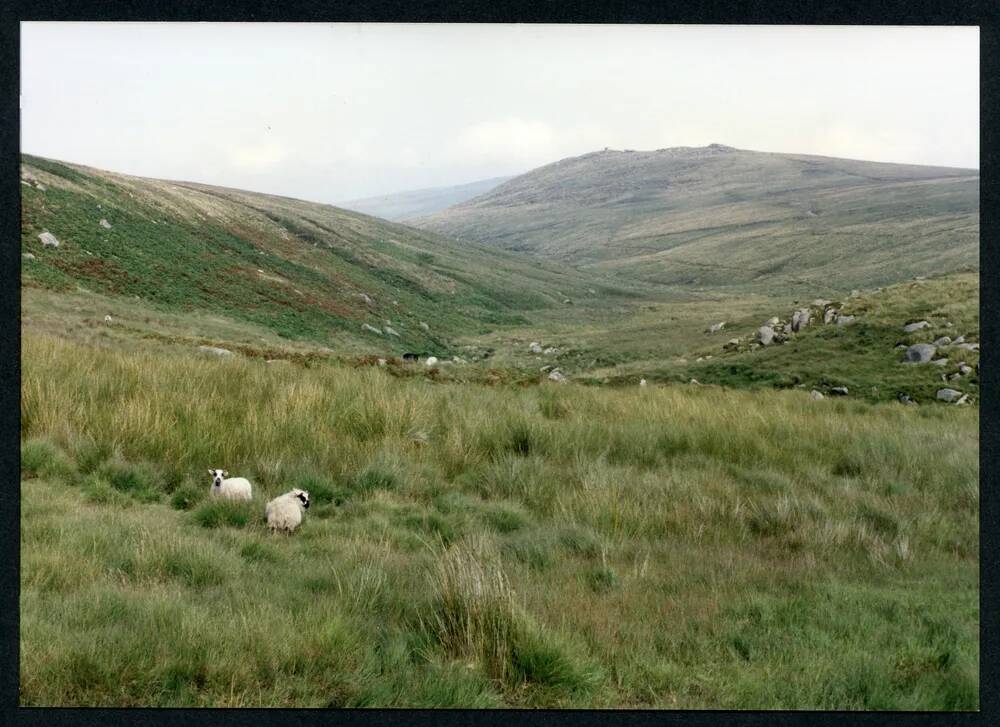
[{"x": 544, "y": 546}]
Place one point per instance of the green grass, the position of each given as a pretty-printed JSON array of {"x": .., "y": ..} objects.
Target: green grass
[{"x": 485, "y": 545}]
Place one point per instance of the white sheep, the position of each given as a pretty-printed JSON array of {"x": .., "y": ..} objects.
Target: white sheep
[
  {"x": 285, "y": 511},
  {"x": 107, "y": 319},
  {"x": 231, "y": 488}
]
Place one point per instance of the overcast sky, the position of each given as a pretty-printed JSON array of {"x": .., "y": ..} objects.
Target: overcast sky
[{"x": 338, "y": 111}]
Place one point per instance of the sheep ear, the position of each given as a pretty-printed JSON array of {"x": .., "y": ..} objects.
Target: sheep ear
[
  {"x": 225, "y": 473},
  {"x": 211, "y": 472}
]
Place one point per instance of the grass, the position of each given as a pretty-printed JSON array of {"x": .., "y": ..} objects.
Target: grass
[{"x": 474, "y": 545}]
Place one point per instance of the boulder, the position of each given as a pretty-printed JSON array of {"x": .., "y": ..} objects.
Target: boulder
[
  {"x": 535, "y": 347},
  {"x": 371, "y": 329},
  {"x": 943, "y": 341},
  {"x": 800, "y": 319},
  {"x": 48, "y": 239},
  {"x": 845, "y": 320},
  {"x": 919, "y": 353},
  {"x": 815, "y": 395},
  {"x": 963, "y": 400},
  {"x": 772, "y": 322},
  {"x": 948, "y": 395},
  {"x": 964, "y": 369},
  {"x": 431, "y": 361},
  {"x": 911, "y": 327},
  {"x": 214, "y": 351},
  {"x": 765, "y": 334},
  {"x": 716, "y": 327},
  {"x": 839, "y": 390},
  {"x": 828, "y": 315},
  {"x": 28, "y": 256},
  {"x": 105, "y": 224}
]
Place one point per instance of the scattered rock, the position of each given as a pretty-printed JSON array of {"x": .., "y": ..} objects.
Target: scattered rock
[
  {"x": 855, "y": 293},
  {"x": 28, "y": 256},
  {"x": 431, "y": 361},
  {"x": 695, "y": 382},
  {"x": 911, "y": 327},
  {"x": 424, "y": 326},
  {"x": 964, "y": 369},
  {"x": 105, "y": 224},
  {"x": 48, "y": 239},
  {"x": 968, "y": 346},
  {"x": 939, "y": 362},
  {"x": 699, "y": 359},
  {"x": 545, "y": 368},
  {"x": 815, "y": 395},
  {"x": 765, "y": 334},
  {"x": 905, "y": 399},
  {"x": 39, "y": 186},
  {"x": 366, "y": 298},
  {"x": 557, "y": 375},
  {"x": 391, "y": 331},
  {"x": 820, "y": 303},
  {"x": 947, "y": 324},
  {"x": 773, "y": 321},
  {"x": 535, "y": 347},
  {"x": 901, "y": 346},
  {"x": 458, "y": 360},
  {"x": 845, "y": 320},
  {"x": 955, "y": 376},
  {"x": 731, "y": 343},
  {"x": 371, "y": 329},
  {"x": 382, "y": 362},
  {"x": 716, "y": 327},
  {"x": 550, "y": 351},
  {"x": 960, "y": 339},
  {"x": 839, "y": 390},
  {"x": 828, "y": 315},
  {"x": 215, "y": 351},
  {"x": 948, "y": 395},
  {"x": 919, "y": 353},
  {"x": 943, "y": 341}
]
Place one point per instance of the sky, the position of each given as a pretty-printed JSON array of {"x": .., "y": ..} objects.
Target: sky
[{"x": 331, "y": 112}]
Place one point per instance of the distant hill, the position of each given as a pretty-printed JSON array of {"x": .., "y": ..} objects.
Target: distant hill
[
  {"x": 418, "y": 202},
  {"x": 717, "y": 217},
  {"x": 305, "y": 270}
]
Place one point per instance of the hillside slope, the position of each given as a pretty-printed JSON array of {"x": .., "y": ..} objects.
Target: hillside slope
[
  {"x": 717, "y": 217},
  {"x": 304, "y": 270},
  {"x": 419, "y": 202}
]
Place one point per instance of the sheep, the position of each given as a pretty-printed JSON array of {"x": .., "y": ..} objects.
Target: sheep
[
  {"x": 107, "y": 319},
  {"x": 285, "y": 511},
  {"x": 231, "y": 488}
]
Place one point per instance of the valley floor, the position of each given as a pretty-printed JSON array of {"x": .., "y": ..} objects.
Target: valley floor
[{"x": 472, "y": 545}]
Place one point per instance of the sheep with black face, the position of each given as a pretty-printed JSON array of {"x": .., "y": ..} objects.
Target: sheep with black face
[
  {"x": 232, "y": 488},
  {"x": 285, "y": 511}
]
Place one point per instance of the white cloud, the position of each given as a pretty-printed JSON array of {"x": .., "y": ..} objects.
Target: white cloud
[{"x": 519, "y": 142}]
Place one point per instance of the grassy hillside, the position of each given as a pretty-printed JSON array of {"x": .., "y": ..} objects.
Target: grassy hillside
[
  {"x": 718, "y": 217},
  {"x": 420, "y": 202},
  {"x": 298, "y": 268},
  {"x": 556, "y": 545}
]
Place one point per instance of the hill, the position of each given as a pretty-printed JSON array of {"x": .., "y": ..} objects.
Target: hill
[
  {"x": 304, "y": 270},
  {"x": 420, "y": 202},
  {"x": 722, "y": 218}
]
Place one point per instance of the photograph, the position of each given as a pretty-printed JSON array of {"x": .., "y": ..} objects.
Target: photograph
[{"x": 498, "y": 366}]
